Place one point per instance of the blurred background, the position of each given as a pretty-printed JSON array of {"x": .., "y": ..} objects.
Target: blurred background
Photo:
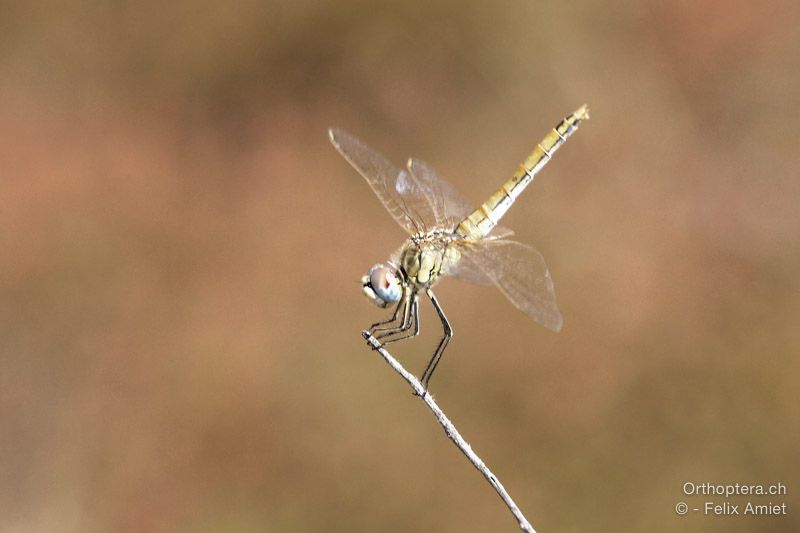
[{"x": 181, "y": 248}]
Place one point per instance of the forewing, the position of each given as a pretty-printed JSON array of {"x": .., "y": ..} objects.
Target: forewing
[
  {"x": 449, "y": 206},
  {"x": 400, "y": 192},
  {"x": 518, "y": 270}
]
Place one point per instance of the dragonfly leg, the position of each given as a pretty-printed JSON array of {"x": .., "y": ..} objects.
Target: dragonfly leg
[
  {"x": 374, "y": 328},
  {"x": 405, "y": 320},
  {"x": 437, "y": 354},
  {"x": 408, "y": 332}
]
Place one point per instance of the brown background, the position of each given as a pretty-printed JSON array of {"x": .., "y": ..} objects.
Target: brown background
[{"x": 180, "y": 250}]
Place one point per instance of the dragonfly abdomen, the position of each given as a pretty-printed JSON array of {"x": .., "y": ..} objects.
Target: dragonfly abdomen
[{"x": 481, "y": 221}]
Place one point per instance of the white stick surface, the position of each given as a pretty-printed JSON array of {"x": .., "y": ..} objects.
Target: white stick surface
[{"x": 451, "y": 431}]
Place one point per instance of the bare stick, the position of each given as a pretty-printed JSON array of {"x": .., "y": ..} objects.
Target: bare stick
[{"x": 451, "y": 431}]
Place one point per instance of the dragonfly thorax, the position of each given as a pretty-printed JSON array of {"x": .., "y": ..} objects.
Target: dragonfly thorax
[{"x": 427, "y": 256}]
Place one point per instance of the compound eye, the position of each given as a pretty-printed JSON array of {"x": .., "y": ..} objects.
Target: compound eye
[{"x": 384, "y": 281}]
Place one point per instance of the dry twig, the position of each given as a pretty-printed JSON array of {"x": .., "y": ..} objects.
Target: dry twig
[{"x": 451, "y": 431}]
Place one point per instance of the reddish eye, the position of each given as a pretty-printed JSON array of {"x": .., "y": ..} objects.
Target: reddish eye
[{"x": 383, "y": 280}]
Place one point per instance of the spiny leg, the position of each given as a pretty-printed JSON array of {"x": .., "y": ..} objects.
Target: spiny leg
[
  {"x": 405, "y": 321},
  {"x": 409, "y": 295},
  {"x": 408, "y": 332},
  {"x": 374, "y": 327},
  {"x": 437, "y": 354}
]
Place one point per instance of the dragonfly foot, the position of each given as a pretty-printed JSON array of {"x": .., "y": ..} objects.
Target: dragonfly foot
[{"x": 371, "y": 340}]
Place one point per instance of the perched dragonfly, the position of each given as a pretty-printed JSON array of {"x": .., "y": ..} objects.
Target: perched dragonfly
[{"x": 449, "y": 237}]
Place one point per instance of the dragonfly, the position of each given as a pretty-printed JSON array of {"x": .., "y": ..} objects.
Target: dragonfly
[{"x": 449, "y": 237}]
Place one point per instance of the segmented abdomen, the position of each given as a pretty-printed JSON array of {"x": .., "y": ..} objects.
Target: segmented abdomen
[{"x": 478, "y": 224}]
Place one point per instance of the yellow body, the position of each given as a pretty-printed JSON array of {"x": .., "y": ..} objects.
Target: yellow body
[
  {"x": 427, "y": 208},
  {"x": 478, "y": 224},
  {"x": 425, "y": 258}
]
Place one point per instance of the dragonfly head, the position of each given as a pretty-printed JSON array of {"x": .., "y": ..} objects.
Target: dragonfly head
[{"x": 382, "y": 285}]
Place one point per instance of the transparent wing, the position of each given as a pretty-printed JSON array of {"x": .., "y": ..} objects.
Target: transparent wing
[
  {"x": 449, "y": 206},
  {"x": 499, "y": 232},
  {"x": 518, "y": 270},
  {"x": 406, "y": 199}
]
